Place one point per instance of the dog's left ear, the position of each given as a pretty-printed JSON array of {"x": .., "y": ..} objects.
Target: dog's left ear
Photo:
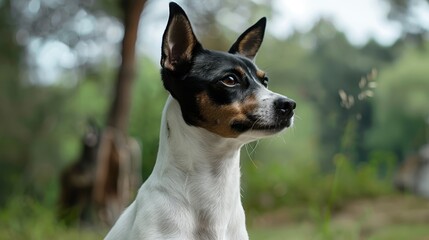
[
  {"x": 178, "y": 41},
  {"x": 249, "y": 42}
]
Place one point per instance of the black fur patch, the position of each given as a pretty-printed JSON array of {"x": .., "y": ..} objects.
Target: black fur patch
[{"x": 205, "y": 72}]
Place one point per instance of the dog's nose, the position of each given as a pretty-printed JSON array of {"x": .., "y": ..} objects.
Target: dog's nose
[{"x": 284, "y": 106}]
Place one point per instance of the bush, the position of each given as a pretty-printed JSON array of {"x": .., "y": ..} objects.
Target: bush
[{"x": 276, "y": 184}]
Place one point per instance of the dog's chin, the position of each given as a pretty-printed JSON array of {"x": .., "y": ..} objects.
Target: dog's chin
[
  {"x": 259, "y": 130},
  {"x": 277, "y": 127}
]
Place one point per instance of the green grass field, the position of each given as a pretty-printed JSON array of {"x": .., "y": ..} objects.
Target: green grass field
[{"x": 387, "y": 218}]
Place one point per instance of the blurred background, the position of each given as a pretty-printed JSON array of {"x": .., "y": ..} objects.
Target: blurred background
[{"x": 81, "y": 100}]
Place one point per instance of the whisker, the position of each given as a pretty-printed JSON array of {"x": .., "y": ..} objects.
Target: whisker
[
  {"x": 247, "y": 150},
  {"x": 256, "y": 145},
  {"x": 250, "y": 157},
  {"x": 254, "y": 163},
  {"x": 283, "y": 138},
  {"x": 257, "y": 121}
]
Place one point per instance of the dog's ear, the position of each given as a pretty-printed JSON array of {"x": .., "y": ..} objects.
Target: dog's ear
[
  {"x": 178, "y": 41},
  {"x": 249, "y": 42}
]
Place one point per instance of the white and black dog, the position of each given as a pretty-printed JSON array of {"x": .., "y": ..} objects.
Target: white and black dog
[{"x": 218, "y": 102}]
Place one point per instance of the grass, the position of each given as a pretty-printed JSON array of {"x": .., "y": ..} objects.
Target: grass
[
  {"x": 401, "y": 232},
  {"x": 302, "y": 231},
  {"x": 307, "y": 232},
  {"x": 386, "y": 218},
  {"x": 26, "y": 219}
]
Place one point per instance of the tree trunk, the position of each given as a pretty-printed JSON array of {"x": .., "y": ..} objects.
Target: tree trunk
[
  {"x": 117, "y": 168},
  {"x": 119, "y": 111}
]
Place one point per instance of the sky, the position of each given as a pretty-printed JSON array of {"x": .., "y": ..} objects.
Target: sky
[{"x": 359, "y": 19}]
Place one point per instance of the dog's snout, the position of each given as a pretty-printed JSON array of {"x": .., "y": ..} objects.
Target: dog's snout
[{"x": 284, "y": 106}]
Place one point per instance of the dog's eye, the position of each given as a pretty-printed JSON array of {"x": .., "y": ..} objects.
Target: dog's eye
[
  {"x": 264, "y": 81},
  {"x": 230, "y": 81}
]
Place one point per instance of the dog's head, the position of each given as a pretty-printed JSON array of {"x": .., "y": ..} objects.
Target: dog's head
[{"x": 223, "y": 92}]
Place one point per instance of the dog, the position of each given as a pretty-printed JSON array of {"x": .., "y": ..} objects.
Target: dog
[{"x": 218, "y": 102}]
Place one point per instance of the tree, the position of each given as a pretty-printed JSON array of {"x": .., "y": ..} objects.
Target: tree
[
  {"x": 404, "y": 12},
  {"x": 401, "y": 110},
  {"x": 340, "y": 68},
  {"x": 113, "y": 187}
]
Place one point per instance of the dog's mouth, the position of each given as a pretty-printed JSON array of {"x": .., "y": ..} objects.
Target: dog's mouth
[{"x": 259, "y": 125}]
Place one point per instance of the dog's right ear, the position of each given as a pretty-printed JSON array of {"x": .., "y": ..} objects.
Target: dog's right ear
[{"x": 179, "y": 41}]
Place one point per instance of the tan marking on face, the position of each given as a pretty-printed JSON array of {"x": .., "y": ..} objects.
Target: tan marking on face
[
  {"x": 241, "y": 71},
  {"x": 218, "y": 118},
  {"x": 260, "y": 74}
]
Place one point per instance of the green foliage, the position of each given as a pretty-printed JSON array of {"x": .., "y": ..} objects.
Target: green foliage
[
  {"x": 41, "y": 134},
  {"x": 401, "y": 104},
  {"x": 335, "y": 73},
  {"x": 27, "y": 219},
  {"x": 10, "y": 56},
  {"x": 277, "y": 184},
  {"x": 149, "y": 97}
]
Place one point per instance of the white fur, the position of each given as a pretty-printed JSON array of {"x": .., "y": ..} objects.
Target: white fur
[
  {"x": 182, "y": 186},
  {"x": 194, "y": 189}
]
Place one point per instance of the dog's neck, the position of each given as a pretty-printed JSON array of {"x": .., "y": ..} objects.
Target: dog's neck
[{"x": 196, "y": 163}]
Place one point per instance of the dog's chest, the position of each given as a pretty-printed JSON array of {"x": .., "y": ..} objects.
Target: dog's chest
[{"x": 204, "y": 218}]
